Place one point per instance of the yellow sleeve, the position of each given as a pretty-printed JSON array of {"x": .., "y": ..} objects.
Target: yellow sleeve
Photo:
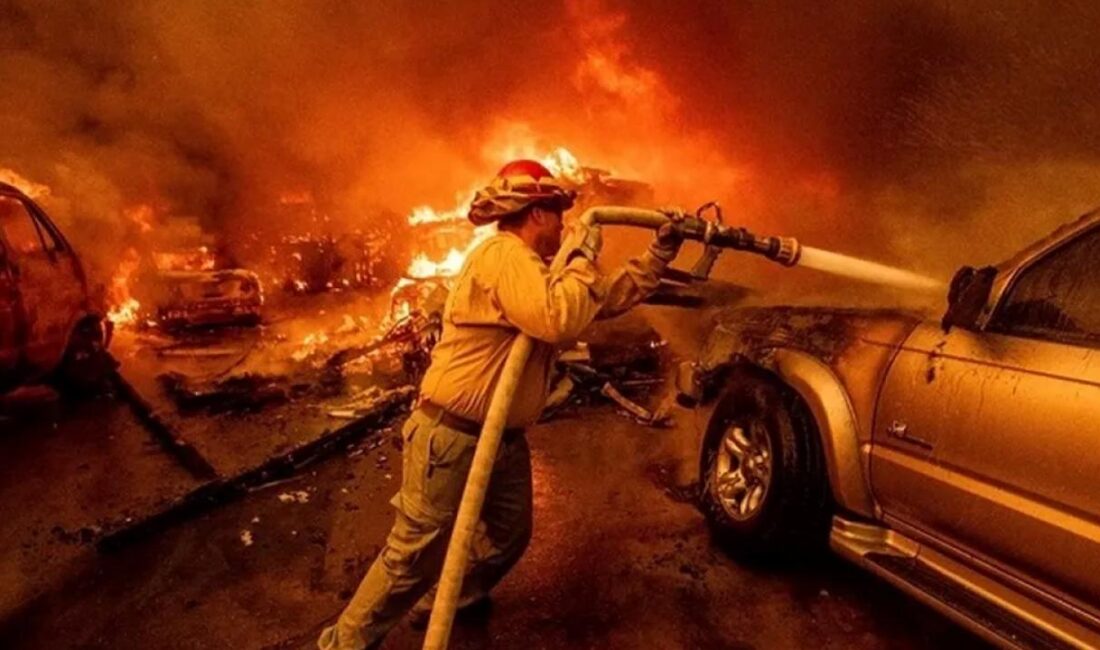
[
  {"x": 631, "y": 284},
  {"x": 550, "y": 308}
]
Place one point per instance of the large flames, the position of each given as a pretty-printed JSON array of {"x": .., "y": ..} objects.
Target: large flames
[
  {"x": 444, "y": 238},
  {"x": 123, "y": 309},
  {"x": 560, "y": 161}
]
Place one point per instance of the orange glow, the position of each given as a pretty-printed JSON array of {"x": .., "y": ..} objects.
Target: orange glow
[
  {"x": 607, "y": 67},
  {"x": 141, "y": 216},
  {"x": 401, "y": 311},
  {"x": 301, "y": 197}
]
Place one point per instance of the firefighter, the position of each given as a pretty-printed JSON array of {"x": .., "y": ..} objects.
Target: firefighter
[{"x": 504, "y": 288}]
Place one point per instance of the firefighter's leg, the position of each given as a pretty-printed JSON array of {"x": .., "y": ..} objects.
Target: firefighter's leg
[
  {"x": 504, "y": 530},
  {"x": 507, "y": 520},
  {"x": 436, "y": 460}
]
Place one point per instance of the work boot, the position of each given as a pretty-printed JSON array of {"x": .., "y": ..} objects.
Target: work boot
[{"x": 475, "y": 613}]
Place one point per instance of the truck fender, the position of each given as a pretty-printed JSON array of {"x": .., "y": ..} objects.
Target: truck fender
[{"x": 824, "y": 394}]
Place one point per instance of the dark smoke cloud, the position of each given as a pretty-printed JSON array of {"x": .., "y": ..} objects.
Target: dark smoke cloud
[
  {"x": 893, "y": 128},
  {"x": 909, "y": 126}
]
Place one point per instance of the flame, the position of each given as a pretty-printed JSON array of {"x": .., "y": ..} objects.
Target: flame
[
  {"x": 515, "y": 140},
  {"x": 311, "y": 343},
  {"x": 401, "y": 311},
  {"x": 28, "y": 187},
  {"x": 124, "y": 308},
  {"x": 563, "y": 165},
  {"x": 125, "y": 313},
  {"x": 426, "y": 214},
  {"x": 560, "y": 161},
  {"x": 200, "y": 258}
]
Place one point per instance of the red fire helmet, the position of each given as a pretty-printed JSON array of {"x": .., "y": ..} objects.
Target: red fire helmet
[
  {"x": 532, "y": 168},
  {"x": 519, "y": 184}
]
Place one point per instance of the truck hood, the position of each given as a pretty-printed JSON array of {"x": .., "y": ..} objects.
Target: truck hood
[{"x": 827, "y": 333}]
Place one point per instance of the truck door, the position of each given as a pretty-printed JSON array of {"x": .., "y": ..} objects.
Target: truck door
[
  {"x": 990, "y": 441},
  {"x": 42, "y": 268}
]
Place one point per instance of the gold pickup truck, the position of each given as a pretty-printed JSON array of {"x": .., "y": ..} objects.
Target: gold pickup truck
[
  {"x": 958, "y": 459},
  {"x": 51, "y": 326}
]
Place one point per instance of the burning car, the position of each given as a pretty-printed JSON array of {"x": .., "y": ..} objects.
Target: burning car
[
  {"x": 195, "y": 286},
  {"x": 957, "y": 459},
  {"x": 208, "y": 298},
  {"x": 314, "y": 264},
  {"x": 50, "y": 323}
]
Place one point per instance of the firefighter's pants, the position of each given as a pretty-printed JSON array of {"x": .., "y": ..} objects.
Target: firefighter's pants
[{"x": 436, "y": 460}]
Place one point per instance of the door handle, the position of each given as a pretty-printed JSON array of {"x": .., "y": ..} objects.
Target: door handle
[
  {"x": 900, "y": 430},
  {"x": 897, "y": 429}
]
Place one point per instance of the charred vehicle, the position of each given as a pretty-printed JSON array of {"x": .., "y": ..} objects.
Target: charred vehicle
[
  {"x": 50, "y": 323},
  {"x": 958, "y": 459},
  {"x": 208, "y": 298},
  {"x": 314, "y": 264},
  {"x": 197, "y": 286}
]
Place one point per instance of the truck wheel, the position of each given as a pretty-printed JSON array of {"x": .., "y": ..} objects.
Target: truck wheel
[
  {"x": 765, "y": 489},
  {"x": 87, "y": 366}
]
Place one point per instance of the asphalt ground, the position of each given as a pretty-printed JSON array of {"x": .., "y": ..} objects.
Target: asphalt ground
[{"x": 620, "y": 556}]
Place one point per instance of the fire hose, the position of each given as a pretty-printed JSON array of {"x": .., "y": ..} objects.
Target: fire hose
[{"x": 715, "y": 236}]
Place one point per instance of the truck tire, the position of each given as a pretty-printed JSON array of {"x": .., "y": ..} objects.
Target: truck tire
[
  {"x": 765, "y": 491},
  {"x": 86, "y": 367}
]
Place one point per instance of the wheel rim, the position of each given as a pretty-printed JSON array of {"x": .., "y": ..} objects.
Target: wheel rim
[{"x": 743, "y": 469}]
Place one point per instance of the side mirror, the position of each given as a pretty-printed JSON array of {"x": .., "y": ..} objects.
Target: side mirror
[{"x": 968, "y": 295}]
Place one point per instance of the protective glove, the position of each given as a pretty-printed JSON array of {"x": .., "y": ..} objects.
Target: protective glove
[
  {"x": 583, "y": 240},
  {"x": 669, "y": 237}
]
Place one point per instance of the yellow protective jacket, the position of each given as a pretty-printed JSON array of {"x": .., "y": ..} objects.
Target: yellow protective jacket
[{"x": 503, "y": 289}]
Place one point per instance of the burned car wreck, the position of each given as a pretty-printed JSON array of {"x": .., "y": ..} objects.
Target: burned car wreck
[
  {"x": 955, "y": 459},
  {"x": 197, "y": 287},
  {"x": 52, "y": 323},
  {"x": 208, "y": 298}
]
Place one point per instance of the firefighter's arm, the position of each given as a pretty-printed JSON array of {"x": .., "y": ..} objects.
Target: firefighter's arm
[
  {"x": 546, "y": 307},
  {"x": 641, "y": 276},
  {"x": 631, "y": 284}
]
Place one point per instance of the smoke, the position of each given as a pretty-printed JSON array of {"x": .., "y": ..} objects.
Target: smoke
[
  {"x": 925, "y": 134},
  {"x": 922, "y": 134},
  {"x": 212, "y": 112}
]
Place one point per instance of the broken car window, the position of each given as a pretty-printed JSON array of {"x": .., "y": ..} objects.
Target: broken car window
[
  {"x": 20, "y": 229},
  {"x": 1058, "y": 297}
]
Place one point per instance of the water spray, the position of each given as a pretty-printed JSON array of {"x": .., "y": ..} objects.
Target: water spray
[{"x": 867, "y": 271}]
